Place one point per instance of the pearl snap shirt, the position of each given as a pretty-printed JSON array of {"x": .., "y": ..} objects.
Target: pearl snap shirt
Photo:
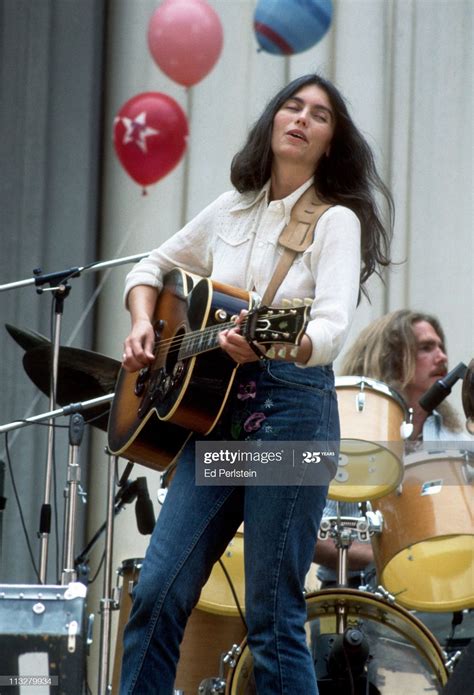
[{"x": 235, "y": 240}]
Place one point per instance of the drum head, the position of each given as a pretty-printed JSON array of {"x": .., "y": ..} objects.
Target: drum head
[
  {"x": 366, "y": 471},
  {"x": 404, "y": 657},
  {"x": 434, "y": 575}
]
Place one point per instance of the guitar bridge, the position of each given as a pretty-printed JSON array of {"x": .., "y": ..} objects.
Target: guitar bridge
[{"x": 140, "y": 383}]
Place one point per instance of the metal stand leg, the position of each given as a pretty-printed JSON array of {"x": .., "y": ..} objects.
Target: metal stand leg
[
  {"x": 107, "y": 601},
  {"x": 76, "y": 431}
]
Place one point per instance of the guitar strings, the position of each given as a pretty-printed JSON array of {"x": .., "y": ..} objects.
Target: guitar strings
[{"x": 175, "y": 343}]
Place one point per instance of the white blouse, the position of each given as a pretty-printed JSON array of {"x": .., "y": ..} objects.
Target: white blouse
[{"x": 235, "y": 240}]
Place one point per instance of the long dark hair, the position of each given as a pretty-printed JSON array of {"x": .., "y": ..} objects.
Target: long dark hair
[{"x": 348, "y": 176}]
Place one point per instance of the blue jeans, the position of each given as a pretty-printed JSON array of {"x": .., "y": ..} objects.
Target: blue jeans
[{"x": 269, "y": 401}]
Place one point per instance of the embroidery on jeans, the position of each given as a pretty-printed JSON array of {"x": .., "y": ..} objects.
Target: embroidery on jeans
[
  {"x": 254, "y": 422},
  {"x": 243, "y": 419},
  {"x": 246, "y": 391}
]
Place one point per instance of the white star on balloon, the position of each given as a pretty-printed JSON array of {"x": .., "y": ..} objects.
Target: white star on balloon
[{"x": 137, "y": 131}]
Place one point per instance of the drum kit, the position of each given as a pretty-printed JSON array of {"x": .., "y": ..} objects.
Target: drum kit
[{"x": 416, "y": 510}]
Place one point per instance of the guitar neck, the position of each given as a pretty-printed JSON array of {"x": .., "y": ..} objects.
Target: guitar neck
[{"x": 197, "y": 342}]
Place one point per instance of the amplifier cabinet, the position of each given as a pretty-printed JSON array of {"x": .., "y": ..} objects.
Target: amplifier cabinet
[{"x": 42, "y": 639}]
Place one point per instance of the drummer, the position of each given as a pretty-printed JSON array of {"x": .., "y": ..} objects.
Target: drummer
[{"x": 406, "y": 350}]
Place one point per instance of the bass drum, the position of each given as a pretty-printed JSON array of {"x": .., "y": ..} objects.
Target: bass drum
[{"x": 404, "y": 657}]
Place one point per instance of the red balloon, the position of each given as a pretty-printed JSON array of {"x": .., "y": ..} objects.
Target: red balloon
[
  {"x": 150, "y": 133},
  {"x": 185, "y": 39}
]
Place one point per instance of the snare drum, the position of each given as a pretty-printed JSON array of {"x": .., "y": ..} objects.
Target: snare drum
[
  {"x": 403, "y": 654},
  {"x": 425, "y": 553},
  {"x": 374, "y": 421}
]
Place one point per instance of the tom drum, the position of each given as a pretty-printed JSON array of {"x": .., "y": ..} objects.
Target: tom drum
[
  {"x": 425, "y": 553},
  {"x": 374, "y": 422}
]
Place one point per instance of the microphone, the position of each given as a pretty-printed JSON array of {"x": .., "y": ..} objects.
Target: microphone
[
  {"x": 441, "y": 388},
  {"x": 144, "y": 512}
]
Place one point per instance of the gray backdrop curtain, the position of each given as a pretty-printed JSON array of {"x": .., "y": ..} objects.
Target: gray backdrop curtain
[{"x": 51, "y": 87}]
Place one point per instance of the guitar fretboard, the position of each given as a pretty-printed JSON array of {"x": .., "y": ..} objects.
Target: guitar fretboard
[{"x": 197, "y": 342}]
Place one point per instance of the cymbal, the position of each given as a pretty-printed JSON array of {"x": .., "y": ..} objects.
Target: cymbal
[
  {"x": 26, "y": 338},
  {"x": 82, "y": 375}
]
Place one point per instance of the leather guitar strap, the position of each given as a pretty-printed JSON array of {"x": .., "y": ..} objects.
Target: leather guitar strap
[{"x": 296, "y": 237}]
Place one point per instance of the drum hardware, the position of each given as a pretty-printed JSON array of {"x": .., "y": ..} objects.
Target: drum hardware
[
  {"x": 360, "y": 398},
  {"x": 452, "y": 661},
  {"x": 406, "y": 428},
  {"x": 381, "y": 592},
  {"x": 468, "y": 467},
  {"x": 213, "y": 686},
  {"x": 344, "y": 530}
]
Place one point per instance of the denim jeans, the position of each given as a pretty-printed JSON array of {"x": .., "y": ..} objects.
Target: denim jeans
[{"x": 268, "y": 401}]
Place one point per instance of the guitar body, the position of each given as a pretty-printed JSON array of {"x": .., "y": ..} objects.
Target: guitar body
[{"x": 155, "y": 411}]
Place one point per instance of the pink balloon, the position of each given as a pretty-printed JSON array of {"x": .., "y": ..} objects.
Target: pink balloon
[
  {"x": 185, "y": 39},
  {"x": 150, "y": 132}
]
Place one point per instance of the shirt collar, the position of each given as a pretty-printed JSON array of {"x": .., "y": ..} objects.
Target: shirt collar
[{"x": 251, "y": 199}]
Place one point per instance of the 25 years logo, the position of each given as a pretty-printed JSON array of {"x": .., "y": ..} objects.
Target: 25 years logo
[{"x": 311, "y": 456}]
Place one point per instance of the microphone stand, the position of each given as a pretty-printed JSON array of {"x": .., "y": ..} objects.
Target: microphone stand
[
  {"x": 58, "y": 284},
  {"x": 66, "y": 410},
  {"x": 59, "y": 293},
  {"x": 107, "y": 602}
]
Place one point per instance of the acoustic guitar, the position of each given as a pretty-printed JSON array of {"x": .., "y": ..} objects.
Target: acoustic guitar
[{"x": 156, "y": 410}]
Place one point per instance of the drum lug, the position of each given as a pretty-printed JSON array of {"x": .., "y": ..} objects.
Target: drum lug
[
  {"x": 406, "y": 428},
  {"x": 213, "y": 686},
  {"x": 383, "y": 593},
  {"x": 468, "y": 472},
  {"x": 229, "y": 657},
  {"x": 360, "y": 399},
  {"x": 452, "y": 661}
]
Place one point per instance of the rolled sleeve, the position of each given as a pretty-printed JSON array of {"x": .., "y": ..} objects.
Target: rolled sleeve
[{"x": 335, "y": 262}]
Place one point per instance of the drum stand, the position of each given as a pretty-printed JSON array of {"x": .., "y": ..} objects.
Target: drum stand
[{"x": 344, "y": 530}]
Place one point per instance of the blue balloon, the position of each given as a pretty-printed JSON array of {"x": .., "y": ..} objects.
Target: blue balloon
[{"x": 284, "y": 27}]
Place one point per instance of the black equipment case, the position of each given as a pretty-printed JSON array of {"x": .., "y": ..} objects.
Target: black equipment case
[{"x": 42, "y": 638}]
